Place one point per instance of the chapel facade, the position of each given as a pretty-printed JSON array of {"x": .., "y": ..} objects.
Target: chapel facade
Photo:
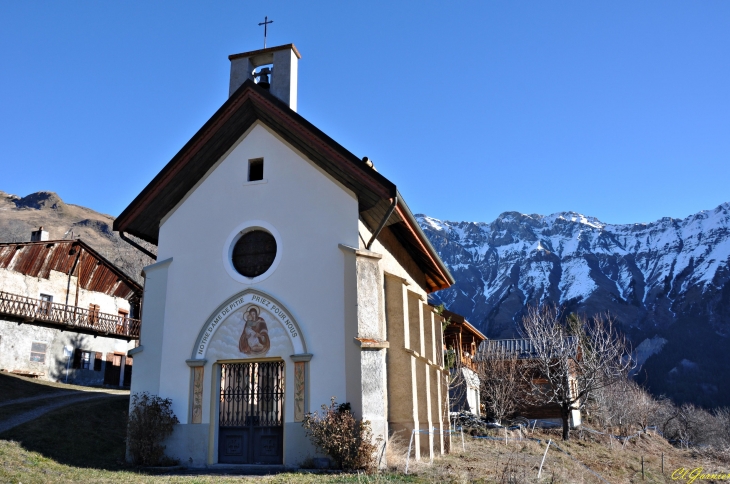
[{"x": 288, "y": 271}]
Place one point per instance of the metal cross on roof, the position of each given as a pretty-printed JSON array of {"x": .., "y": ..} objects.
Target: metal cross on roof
[{"x": 265, "y": 23}]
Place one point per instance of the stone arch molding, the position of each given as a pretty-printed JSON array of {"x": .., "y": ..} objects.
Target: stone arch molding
[{"x": 245, "y": 300}]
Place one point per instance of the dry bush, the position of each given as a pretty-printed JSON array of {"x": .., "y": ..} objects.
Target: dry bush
[
  {"x": 396, "y": 454},
  {"x": 347, "y": 440},
  {"x": 150, "y": 422},
  {"x": 624, "y": 407},
  {"x": 691, "y": 426}
]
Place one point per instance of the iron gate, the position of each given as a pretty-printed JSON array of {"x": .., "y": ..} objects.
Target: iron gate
[{"x": 251, "y": 419}]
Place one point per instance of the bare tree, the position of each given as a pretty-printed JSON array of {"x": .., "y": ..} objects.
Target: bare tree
[
  {"x": 500, "y": 381},
  {"x": 576, "y": 357}
]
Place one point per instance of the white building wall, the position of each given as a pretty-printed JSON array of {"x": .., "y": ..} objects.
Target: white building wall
[{"x": 15, "y": 350}]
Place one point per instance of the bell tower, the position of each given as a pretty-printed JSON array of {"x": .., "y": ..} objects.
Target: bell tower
[{"x": 274, "y": 69}]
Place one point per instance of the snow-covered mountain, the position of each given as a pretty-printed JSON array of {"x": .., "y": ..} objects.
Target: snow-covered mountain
[{"x": 667, "y": 282}]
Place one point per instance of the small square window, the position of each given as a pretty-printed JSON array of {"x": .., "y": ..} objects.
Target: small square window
[
  {"x": 38, "y": 352},
  {"x": 256, "y": 169}
]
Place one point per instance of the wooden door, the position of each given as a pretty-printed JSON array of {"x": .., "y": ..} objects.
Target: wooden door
[
  {"x": 113, "y": 370},
  {"x": 251, "y": 419},
  {"x": 127, "y": 371}
]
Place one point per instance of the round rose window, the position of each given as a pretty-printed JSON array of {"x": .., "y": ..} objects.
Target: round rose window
[{"x": 254, "y": 253}]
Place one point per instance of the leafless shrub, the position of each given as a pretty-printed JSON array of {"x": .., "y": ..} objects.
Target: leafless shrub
[
  {"x": 150, "y": 422},
  {"x": 624, "y": 407},
  {"x": 692, "y": 426}
]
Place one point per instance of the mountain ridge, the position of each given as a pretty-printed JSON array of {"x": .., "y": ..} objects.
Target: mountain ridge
[{"x": 661, "y": 280}]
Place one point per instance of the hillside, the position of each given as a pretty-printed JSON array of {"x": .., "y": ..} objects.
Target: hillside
[
  {"x": 667, "y": 282},
  {"x": 21, "y": 215}
]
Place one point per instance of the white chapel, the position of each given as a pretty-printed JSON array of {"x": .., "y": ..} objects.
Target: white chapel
[{"x": 288, "y": 271}]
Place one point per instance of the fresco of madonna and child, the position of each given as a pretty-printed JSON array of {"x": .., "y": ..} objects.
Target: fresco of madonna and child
[{"x": 254, "y": 339}]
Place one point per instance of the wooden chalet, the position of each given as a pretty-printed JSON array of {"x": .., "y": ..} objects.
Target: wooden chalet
[{"x": 462, "y": 337}]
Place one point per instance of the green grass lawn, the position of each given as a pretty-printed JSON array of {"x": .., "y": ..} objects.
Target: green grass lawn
[
  {"x": 13, "y": 387},
  {"x": 86, "y": 434}
]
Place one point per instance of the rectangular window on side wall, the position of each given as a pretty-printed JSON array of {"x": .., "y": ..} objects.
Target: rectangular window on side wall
[
  {"x": 85, "y": 360},
  {"x": 123, "y": 323},
  {"x": 256, "y": 169},
  {"x": 38, "y": 352},
  {"x": 93, "y": 313}
]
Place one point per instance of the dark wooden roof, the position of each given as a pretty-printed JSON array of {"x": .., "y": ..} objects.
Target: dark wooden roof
[
  {"x": 249, "y": 104},
  {"x": 96, "y": 273},
  {"x": 522, "y": 348}
]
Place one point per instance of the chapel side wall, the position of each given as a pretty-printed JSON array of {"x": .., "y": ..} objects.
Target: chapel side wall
[
  {"x": 312, "y": 215},
  {"x": 414, "y": 372}
]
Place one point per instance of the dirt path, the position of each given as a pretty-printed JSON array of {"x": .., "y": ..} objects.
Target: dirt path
[{"x": 76, "y": 397}]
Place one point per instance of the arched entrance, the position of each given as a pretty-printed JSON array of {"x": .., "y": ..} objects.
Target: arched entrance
[{"x": 256, "y": 357}]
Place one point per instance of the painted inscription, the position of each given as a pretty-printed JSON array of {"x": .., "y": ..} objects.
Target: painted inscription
[{"x": 255, "y": 338}]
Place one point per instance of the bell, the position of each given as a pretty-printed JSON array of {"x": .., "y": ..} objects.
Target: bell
[{"x": 263, "y": 76}]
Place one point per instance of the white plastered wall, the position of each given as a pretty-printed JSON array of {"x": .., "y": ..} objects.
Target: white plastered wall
[{"x": 312, "y": 214}]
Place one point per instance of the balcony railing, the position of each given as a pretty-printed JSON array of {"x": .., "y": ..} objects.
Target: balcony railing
[
  {"x": 71, "y": 317},
  {"x": 467, "y": 361}
]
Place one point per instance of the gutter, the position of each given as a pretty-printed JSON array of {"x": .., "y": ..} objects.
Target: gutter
[
  {"x": 382, "y": 224},
  {"x": 137, "y": 246}
]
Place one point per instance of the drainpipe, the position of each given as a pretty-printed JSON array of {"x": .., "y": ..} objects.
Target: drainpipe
[
  {"x": 382, "y": 224},
  {"x": 78, "y": 283},
  {"x": 68, "y": 286},
  {"x": 137, "y": 246}
]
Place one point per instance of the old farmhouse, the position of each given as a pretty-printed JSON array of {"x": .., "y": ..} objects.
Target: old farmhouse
[
  {"x": 289, "y": 271},
  {"x": 66, "y": 313}
]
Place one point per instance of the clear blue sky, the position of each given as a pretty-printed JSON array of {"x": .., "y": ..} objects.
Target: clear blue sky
[{"x": 619, "y": 110}]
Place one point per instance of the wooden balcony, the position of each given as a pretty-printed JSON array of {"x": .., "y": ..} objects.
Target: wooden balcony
[{"x": 69, "y": 318}]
